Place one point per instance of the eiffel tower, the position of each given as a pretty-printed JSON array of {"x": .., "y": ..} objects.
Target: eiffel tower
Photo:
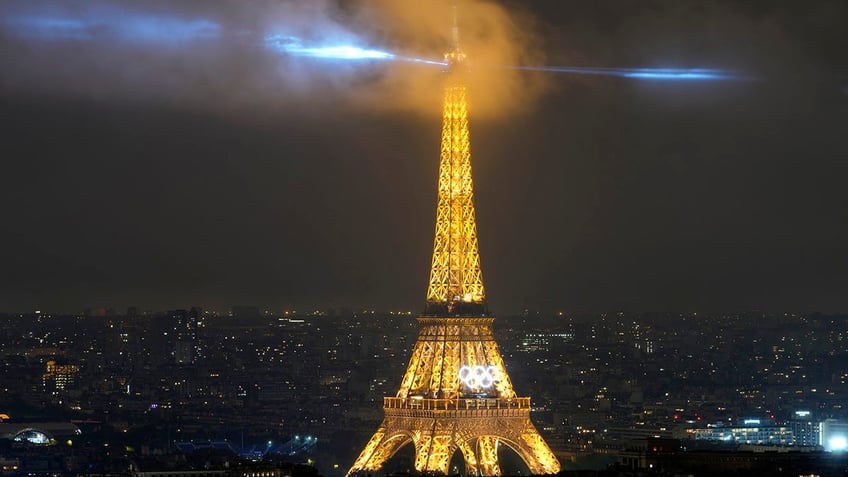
[{"x": 456, "y": 394}]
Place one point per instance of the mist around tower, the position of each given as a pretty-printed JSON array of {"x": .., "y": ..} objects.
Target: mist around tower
[{"x": 215, "y": 56}]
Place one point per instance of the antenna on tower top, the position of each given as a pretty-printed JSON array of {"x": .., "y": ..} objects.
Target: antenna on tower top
[
  {"x": 455, "y": 55},
  {"x": 455, "y": 29}
]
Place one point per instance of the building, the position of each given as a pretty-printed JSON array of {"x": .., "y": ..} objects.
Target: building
[
  {"x": 798, "y": 432},
  {"x": 758, "y": 435},
  {"x": 60, "y": 376}
]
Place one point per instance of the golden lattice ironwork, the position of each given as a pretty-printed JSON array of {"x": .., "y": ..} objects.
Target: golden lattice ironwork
[
  {"x": 455, "y": 275},
  {"x": 440, "y": 410},
  {"x": 456, "y": 395}
]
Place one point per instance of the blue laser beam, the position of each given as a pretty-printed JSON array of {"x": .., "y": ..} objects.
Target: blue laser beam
[
  {"x": 132, "y": 27},
  {"x": 169, "y": 29},
  {"x": 47, "y": 28},
  {"x": 113, "y": 24},
  {"x": 295, "y": 47},
  {"x": 682, "y": 74},
  {"x": 110, "y": 24}
]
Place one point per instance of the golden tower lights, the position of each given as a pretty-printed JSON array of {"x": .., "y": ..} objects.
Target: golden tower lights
[
  {"x": 456, "y": 281},
  {"x": 456, "y": 394}
]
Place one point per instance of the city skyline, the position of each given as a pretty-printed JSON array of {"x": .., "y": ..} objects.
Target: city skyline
[
  {"x": 176, "y": 383},
  {"x": 600, "y": 194}
]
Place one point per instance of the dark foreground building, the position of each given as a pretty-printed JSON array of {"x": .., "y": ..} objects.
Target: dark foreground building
[{"x": 666, "y": 457}]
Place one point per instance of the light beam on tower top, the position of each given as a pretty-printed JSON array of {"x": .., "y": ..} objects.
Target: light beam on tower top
[
  {"x": 294, "y": 46},
  {"x": 681, "y": 74}
]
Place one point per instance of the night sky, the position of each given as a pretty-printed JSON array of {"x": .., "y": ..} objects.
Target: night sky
[{"x": 211, "y": 173}]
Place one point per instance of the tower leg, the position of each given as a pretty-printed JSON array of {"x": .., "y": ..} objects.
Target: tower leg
[
  {"x": 382, "y": 446},
  {"x": 434, "y": 447},
  {"x": 471, "y": 464},
  {"x": 487, "y": 455},
  {"x": 422, "y": 452},
  {"x": 541, "y": 459}
]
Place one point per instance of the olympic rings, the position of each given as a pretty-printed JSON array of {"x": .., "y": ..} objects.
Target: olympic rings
[{"x": 478, "y": 376}]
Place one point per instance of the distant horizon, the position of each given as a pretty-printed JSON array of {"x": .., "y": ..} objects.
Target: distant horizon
[{"x": 101, "y": 311}]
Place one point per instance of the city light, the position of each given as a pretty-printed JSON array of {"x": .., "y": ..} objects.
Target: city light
[{"x": 837, "y": 443}]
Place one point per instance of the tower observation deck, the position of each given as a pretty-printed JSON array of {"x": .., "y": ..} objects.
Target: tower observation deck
[{"x": 456, "y": 394}]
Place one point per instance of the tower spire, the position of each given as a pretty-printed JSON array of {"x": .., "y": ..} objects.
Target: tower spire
[
  {"x": 454, "y": 56},
  {"x": 455, "y": 28}
]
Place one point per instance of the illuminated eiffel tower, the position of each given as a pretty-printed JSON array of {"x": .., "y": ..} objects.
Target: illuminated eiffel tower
[{"x": 456, "y": 394}]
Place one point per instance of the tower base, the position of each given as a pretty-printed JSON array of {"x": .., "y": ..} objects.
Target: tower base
[{"x": 437, "y": 428}]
